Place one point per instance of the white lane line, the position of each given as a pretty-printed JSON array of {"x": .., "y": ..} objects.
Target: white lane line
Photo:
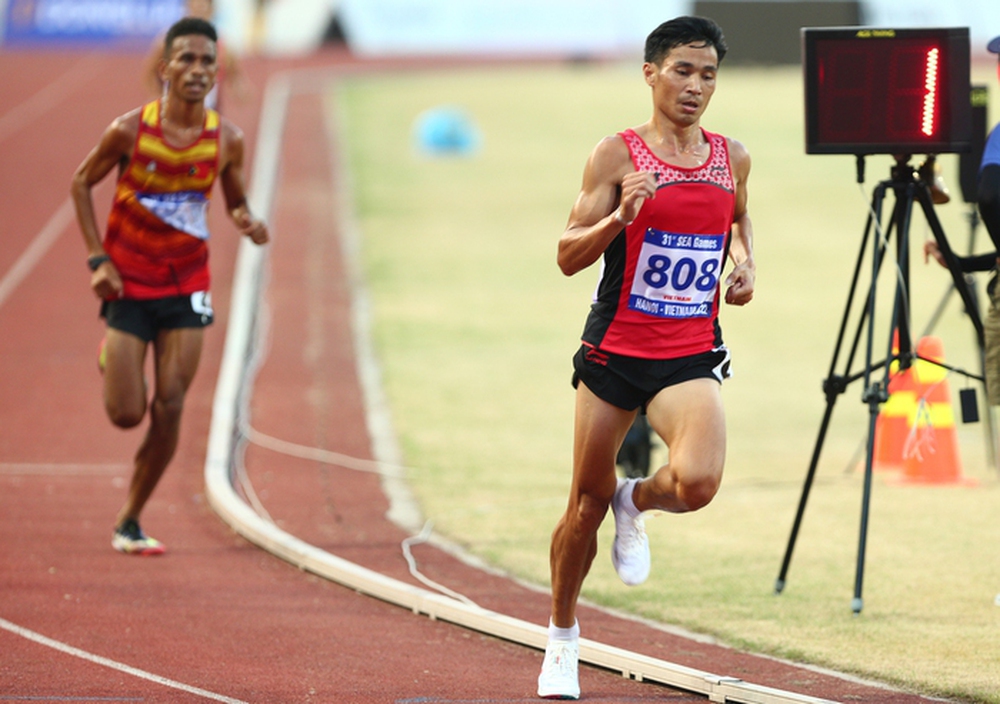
[
  {"x": 47, "y": 98},
  {"x": 120, "y": 667},
  {"x": 63, "y": 470},
  {"x": 37, "y": 249}
]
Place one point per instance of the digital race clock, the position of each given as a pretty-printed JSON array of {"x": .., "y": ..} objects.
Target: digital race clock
[{"x": 886, "y": 91}]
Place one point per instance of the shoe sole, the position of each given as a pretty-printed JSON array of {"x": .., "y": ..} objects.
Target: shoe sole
[
  {"x": 617, "y": 565},
  {"x": 152, "y": 552},
  {"x": 142, "y": 552},
  {"x": 562, "y": 696}
]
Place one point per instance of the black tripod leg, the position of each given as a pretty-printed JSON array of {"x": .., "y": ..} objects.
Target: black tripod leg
[
  {"x": 857, "y": 603},
  {"x": 779, "y": 584},
  {"x": 966, "y": 290},
  {"x": 957, "y": 277},
  {"x": 877, "y": 393},
  {"x": 833, "y": 386}
]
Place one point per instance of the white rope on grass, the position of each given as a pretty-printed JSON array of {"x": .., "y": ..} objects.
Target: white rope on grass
[
  {"x": 423, "y": 537},
  {"x": 316, "y": 454},
  {"x": 347, "y": 462}
]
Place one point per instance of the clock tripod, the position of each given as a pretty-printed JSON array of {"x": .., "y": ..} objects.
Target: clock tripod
[{"x": 874, "y": 374}]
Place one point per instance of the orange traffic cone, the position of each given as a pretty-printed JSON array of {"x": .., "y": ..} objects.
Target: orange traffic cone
[
  {"x": 892, "y": 426},
  {"x": 931, "y": 453}
]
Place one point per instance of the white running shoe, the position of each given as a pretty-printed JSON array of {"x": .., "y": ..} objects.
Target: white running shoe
[
  {"x": 630, "y": 550},
  {"x": 129, "y": 539},
  {"x": 559, "y": 678}
]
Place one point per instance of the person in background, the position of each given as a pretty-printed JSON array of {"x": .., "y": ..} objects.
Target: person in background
[
  {"x": 988, "y": 202},
  {"x": 150, "y": 270},
  {"x": 663, "y": 204}
]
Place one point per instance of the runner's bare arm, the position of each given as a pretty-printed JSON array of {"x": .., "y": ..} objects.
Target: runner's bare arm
[
  {"x": 114, "y": 150},
  {"x": 234, "y": 187},
  {"x": 741, "y": 280},
  {"x": 611, "y": 196}
]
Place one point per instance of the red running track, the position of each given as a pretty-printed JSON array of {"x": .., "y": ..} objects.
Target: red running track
[{"x": 218, "y": 619}]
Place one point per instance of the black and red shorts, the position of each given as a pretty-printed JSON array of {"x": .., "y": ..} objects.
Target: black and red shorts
[
  {"x": 145, "y": 318},
  {"x": 632, "y": 382}
]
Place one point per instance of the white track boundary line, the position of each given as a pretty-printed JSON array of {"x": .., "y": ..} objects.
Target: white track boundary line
[
  {"x": 114, "y": 665},
  {"x": 48, "y": 97},
  {"x": 64, "y": 470},
  {"x": 231, "y": 402},
  {"x": 37, "y": 249},
  {"x": 52, "y": 95}
]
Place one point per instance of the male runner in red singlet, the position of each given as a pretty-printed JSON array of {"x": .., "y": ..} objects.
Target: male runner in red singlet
[
  {"x": 151, "y": 268},
  {"x": 664, "y": 204}
]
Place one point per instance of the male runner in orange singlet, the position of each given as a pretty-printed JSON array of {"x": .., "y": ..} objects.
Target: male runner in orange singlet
[{"x": 150, "y": 271}]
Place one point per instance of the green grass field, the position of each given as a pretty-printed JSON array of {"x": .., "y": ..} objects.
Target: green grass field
[{"x": 475, "y": 327}]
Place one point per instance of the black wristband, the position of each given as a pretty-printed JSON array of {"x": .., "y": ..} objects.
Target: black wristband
[{"x": 96, "y": 261}]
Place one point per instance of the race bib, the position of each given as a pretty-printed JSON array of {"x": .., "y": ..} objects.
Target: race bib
[
  {"x": 186, "y": 211},
  {"x": 677, "y": 275}
]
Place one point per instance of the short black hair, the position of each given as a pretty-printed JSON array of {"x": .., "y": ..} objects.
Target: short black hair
[
  {"x": 684, "y": 30},
  {"x": 187, "y": 26}
]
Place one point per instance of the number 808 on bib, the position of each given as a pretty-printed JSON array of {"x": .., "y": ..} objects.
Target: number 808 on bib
[{"x": 677, "y": 275}]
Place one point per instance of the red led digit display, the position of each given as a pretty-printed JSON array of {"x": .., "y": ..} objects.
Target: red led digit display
[{"x": 886, "y": 91}]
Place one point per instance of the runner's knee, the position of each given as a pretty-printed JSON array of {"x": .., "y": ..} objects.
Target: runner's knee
[
  {"x": 169, "y": 408},
  {"x": 590, "y": 511},
  {"x": 124, "y": 416},
  {"x": 682, "y": 489},
  {"x": 699, "y": 492}
]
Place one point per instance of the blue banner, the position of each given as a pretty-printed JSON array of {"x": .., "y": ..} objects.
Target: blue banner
[{"x": 88, "y": 22}]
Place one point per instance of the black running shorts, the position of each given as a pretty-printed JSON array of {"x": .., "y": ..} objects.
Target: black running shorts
[
  {"x": 631, "y": 382},
  {"x": 145, "y": 318}
]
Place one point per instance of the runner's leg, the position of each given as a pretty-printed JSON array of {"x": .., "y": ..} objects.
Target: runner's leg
[
  {"x": 599, "y": 430},
  {"x": 689, "y": 417},
  {"x": 124, "y": 386},
  {"x": 177, "y": 353}
]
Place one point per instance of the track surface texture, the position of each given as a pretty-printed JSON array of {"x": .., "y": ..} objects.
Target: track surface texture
[{"x": 216, "y": 618}]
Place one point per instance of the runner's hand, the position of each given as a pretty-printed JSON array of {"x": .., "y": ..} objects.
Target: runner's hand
[
  {"x": 740, "y": 284},
  {"x": 637, "y": 186},
  {"x": 256, "y": 230},
  {"x": 106, "y": 282}
]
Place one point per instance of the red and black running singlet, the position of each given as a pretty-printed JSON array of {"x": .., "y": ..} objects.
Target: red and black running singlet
[
  {"x": 658, "y": 295},
  {"x": 157, "y": 235}
]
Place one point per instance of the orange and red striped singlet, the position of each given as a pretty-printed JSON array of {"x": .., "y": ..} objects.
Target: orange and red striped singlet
[{"x": 157, "y": 235}]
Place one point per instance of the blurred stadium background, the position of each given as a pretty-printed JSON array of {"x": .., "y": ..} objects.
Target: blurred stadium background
[
  {"x": 763, "y": 32},
  {"x": 760, "y": 34}
]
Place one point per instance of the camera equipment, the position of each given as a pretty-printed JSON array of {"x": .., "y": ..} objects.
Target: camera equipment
[
  {"x": 897, "y": 92},
  {"x": 886, "y": 91}
]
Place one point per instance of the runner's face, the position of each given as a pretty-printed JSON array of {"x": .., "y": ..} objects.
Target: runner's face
[
  {"x": 683, "y": 82},
  {"x": 191, "y": 67}
]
